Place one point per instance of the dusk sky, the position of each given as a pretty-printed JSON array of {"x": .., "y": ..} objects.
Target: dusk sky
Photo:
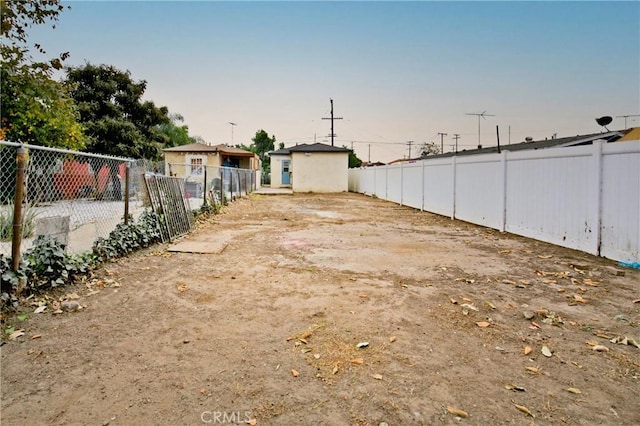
[{"x": 397, "y": 71}]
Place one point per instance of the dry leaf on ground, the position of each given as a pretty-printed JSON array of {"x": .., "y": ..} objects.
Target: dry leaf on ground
[
  {"x": 524, "y": 410},
  {"x": 457, "y": 412}
]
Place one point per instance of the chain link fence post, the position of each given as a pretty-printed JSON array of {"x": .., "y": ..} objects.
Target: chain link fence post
[{"x": 22, "y": 160}]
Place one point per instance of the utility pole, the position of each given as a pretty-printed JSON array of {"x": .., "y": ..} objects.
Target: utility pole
[
  {"x": 332, "y": 118},
  {"x": 456, "y": 137},
  {"x": 482, "y": 114},
  {"x": 441, "y": 142},
  {"x": 409, "y": 143},
  {"x": 625, "y": 118}
]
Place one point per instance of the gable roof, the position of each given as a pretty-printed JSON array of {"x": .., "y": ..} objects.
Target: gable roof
[
  {"x": 221, "y": 148},
  {"x": 314, "y": 147},
  {"x": 192, "y": 147},
  {"x": 317, "y": 147}
]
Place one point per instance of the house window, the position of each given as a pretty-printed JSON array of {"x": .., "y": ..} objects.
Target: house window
[{"x": 196, "y": 166}]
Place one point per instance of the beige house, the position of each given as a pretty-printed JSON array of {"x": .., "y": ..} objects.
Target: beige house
[
  {"x": 311, "y": 168},
  {"x": 188, "y": 160}
]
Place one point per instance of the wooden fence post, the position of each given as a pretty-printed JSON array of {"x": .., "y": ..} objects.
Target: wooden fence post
[{"x": 22, "y": 160}]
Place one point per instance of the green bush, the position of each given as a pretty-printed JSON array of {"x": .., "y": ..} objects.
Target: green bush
[
  {"x": 47, "y": 265},
  {"x": 126, "y": 238}
]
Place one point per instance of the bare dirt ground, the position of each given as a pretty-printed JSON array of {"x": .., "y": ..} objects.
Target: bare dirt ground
[{"x": 267, "y": 332}]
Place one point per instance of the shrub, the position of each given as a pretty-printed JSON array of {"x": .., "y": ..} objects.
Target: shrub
[{"x": 6, "y": 223}]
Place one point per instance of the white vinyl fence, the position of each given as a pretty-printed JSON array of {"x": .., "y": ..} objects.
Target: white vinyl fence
[{"x": 585, "y": 197}]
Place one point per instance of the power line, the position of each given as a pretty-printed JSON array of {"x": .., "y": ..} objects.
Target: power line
[
  {"x": 410, "y": 143},
  {"x": 456, "y": 136},
  {"x": 332, "y": 118}
]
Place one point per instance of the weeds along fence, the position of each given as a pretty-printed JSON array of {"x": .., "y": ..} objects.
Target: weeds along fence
[
  {"x": 73, "y": 196},
  {"x": 213, "y": 185},
  {"x": 584, "y": 197}
]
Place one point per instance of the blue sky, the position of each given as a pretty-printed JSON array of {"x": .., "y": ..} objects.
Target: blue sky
[{"x": 397, "y": 71}]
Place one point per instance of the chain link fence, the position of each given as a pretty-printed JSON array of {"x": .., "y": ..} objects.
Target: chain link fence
[
  {"x": 76, "y": 197},
  {"x": 214, "y": 185},
  {"x": 79, "y": 197}
]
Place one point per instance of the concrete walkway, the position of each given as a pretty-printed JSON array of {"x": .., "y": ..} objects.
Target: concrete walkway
[{"x": 266, "y": 190}]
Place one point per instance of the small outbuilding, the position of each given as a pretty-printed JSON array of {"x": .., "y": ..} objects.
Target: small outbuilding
[{"x": 311, "y": 168}]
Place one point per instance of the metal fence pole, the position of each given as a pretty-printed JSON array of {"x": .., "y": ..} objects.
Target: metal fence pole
[
  {"x": 126, "y": 194},
  {"x": 204, "y": 193},
  {"x": 22, "y": 160}
]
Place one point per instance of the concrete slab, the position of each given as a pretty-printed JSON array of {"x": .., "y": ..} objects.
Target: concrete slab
[
  {"x": 201, "y": 247},
  {"x": 265, "y": 190}
]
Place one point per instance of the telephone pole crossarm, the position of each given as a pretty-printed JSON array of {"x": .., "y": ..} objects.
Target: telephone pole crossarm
[{"x": 332, "y": 118}]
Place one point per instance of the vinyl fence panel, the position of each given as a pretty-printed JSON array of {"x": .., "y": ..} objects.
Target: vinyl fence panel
[
  {"x": 620, "y": 226},
  {"x": 585, "y": 197}
]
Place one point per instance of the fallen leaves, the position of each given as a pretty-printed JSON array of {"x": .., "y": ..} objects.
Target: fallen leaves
[
  {"x": 294, "y": 373},
  {"x": 524, "y": 410},
  {"x": 533, "y": 370},
  {"x": 527, "y": 350},
  {"x": 576, "y": 298},
  {"x": 457, "y": 412},
  {"x": 574, "y": 390},
  {"x": 16, "y": 334},
  {"x": 483, "y": 324},
  {"x": 625, "y": 341},
  {"x": 546, "y": 351},
  {"x": 509, "y": 386}
]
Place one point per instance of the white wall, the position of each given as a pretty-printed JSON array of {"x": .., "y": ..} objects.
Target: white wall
[
  {"x": 585, "y": 197},
  {"x": 320, "y": 171},
  {"x": 276, "y": 170}
]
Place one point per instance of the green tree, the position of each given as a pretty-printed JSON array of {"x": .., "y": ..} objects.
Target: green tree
[
  {"x": 354, "y": 161},
  {"x": 117, "y": 121},
  {"x": 430, "y": 148},
  {"x": 35, "y": 109},
  {"x": 262, "y": 143},
  {"x": 174, "y": 133}
]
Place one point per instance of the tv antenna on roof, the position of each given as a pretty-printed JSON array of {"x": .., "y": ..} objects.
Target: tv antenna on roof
[
  {"x": 604, "y": 121},
  {"x": 482, "y": 114},
  {"x": 625, "y": 118},
  {"x": 232, "y": 126}
]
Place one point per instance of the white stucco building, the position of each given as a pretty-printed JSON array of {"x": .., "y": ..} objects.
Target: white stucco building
[{"x": 311, "y": 168}]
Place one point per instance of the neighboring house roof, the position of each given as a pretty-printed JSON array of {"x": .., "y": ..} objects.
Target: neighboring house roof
[
  {"x": 282, "y": 151},
  {"x": 632, "y": 135},
  {"x": 315, "y": 147},
  {"x": 221, "y": 148},
  {"x": 611, "y": 136}
]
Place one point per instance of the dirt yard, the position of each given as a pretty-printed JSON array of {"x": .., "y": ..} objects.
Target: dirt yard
[{"x": 335, "y": 310}]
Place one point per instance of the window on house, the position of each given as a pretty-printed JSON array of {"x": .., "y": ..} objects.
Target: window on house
[{"x": 196, "y": 166}]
